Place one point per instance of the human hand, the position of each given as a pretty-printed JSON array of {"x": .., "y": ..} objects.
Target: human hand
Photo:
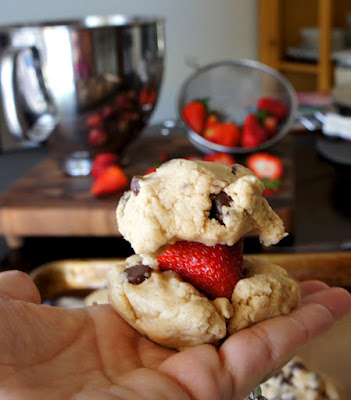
[{"x": 89, "y": 353}]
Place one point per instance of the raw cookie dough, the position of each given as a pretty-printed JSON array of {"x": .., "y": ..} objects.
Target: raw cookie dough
[
  {"x": 173, "y": 313},
  {"x": 266, "y": 291},
  {"x": 166, "y": 309},
  {"x": 196, "y": 201},
  {"x": 98, "y": 296},
  {"x": 296, "y": 381},
  {"x": 202, "y": 202}
]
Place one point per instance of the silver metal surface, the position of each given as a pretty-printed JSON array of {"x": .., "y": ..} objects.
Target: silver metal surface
[
  {"x": 61, "y": 80},
  {"x": 233, "y": 87}
]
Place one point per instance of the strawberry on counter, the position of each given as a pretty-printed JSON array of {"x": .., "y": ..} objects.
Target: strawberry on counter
[
  {"x": 268, "y": 168},
  {"x": 102, "y": 161},
  {"x": 110, "y": 181},
  {"x": 265, "y": 166}
]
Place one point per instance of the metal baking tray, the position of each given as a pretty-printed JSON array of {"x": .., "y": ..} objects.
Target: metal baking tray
[
  {"x": 71, "y": 278},
  {"x": 80, "y": 277}
]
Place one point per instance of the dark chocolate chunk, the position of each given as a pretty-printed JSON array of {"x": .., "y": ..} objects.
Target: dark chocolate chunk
[
  {"x": 234, "y": 169},
  {"x": 285, "y": 380},
  {"x": 297, "y": 365},
  {"x": 138, "y": 273},
  {"x": 134, "y": 184},
  {"x": 218, "y": 201}
]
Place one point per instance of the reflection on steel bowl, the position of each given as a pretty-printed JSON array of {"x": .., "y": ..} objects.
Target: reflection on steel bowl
[
  {"x": 82, "y": 86},
  {"x": 234, "y": 92}
]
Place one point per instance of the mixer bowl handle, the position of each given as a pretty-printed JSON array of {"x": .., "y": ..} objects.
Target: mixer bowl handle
[{"x": 24, "y": 120}]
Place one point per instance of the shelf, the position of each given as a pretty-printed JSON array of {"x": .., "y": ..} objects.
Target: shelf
[
  {"x": 280, "y": 23},
  {"x": 297, "y": 66}
]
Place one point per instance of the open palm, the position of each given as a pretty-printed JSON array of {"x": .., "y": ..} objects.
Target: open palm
[{"x": 92, "y": 353}]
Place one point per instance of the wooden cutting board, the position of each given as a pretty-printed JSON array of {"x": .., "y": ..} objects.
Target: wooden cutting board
[{"x": 46, "y": 202}]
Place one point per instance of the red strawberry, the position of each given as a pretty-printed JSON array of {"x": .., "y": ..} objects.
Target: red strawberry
[
  {"x": 110, "y": 181},
  {"x": 97, "y": 137},
  {"x": 150, "y": 170},
  {"x": 124, "y": 101},
  {"x": 195, "y": 115},
  {"x": 213, "y": 270},
  {"x": 163, "y": 158},
  {"x": 107, "y": 111},
  {"x": 212, "y": 120},
  {"x": 193, "y": 157},
  {"x": 94, "y": 121},
  {"x": 225, "y": 134},
  {"x": 274, "y": 107},
  {"x": 270, "y": 123},
  {"x": 102, "y": 161},
  {"x": 148, "y": 96},
  {"x": 271, "y": 186},
  {"x": 222, "y": 158},
  {"x": 265, "y": 166},
  {"x": 253, "y": 133}
]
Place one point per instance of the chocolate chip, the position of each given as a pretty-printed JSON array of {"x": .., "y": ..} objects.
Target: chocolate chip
[
  {"x": 285, "y": 380},
  {"x": 218, "y": 201},
  {"x": 138, "y": 273},
  {"x": 297, "y": 365},
  {"x": 234, "y": 169},
  {"x": 134, "y": 184}
]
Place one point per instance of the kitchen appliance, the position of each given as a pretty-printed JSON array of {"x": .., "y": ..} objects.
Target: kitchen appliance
[{"x": 81, "y": 86}]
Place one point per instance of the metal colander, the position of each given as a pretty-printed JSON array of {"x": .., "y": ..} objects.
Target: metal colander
[{"x": 233, "y": 88}]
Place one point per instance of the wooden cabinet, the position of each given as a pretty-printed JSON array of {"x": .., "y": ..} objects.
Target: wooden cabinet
[{"x": 280, "y": 22}]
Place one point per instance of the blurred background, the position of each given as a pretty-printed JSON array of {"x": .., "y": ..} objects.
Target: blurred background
[{"x": 196, "y": 30}]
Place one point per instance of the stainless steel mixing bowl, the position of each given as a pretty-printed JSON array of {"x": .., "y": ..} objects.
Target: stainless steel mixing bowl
[
  {"x": 82, "y": 86},
  {"x": 233, "y": 88}
]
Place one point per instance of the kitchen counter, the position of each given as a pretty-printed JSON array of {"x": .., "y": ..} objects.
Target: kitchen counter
[{"x": 322, "y": 215}]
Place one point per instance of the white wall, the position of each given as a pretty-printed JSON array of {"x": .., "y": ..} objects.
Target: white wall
[{"x": 209, "y": 30}]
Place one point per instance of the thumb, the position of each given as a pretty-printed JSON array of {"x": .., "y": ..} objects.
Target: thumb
[{"x": 18, "y": 285}]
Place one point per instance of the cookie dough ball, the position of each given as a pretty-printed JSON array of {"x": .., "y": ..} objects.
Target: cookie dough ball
[
  {"x": 296, "y": 381},
  {"x": 162, "y": 307},
  {"x": 266, "y": 291},
  {"x": 196, "y": 201},
  {"x": 98, "y": 296}
]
